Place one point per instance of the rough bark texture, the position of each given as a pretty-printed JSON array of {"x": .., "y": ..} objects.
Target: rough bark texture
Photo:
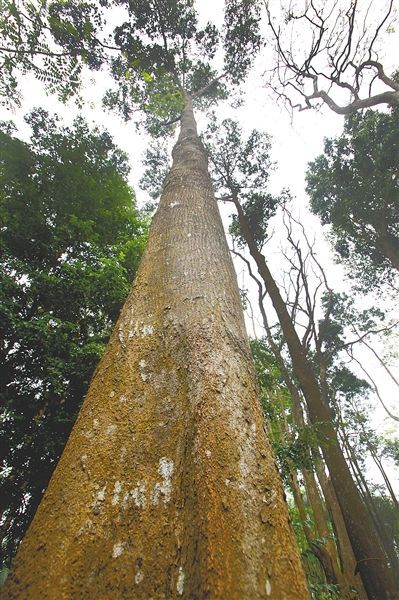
[
  {"x": 167, "y": 487},
  {"x": 371, "y": 559}
]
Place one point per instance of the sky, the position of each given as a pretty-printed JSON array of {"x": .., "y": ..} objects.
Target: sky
[{"x": 295, "y": 142}]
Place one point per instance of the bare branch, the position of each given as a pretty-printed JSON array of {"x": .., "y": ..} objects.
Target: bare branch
[
  {"x": 373, "y": 384},
  {"x": 340, "y": 53}
]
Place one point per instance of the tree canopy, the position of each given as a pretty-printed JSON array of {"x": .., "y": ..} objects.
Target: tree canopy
[
  {"x": 71, "y": 239},
  {"x": 240, "y": 167},
  {"x": 354, "y": 188},
  {"x": 156, "y": 53}
]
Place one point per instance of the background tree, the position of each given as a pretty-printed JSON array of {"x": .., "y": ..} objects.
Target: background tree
[
  {"x": 71, "y": 240},
  {"x": 330, "y": 571},
  {"x": 354, "y": 188},
  {"x": 313, "y": 382},
  {"x": 348, "y": 396}
]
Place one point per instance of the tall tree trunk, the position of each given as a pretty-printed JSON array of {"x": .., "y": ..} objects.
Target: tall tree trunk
[
  {"x": 347, "y": 558},
  {"x": 319, "y": 551},
  {"x": 385, "y": 536},
  {"x": 345, "y": 565},
  {"x": 167, "y": 487},
  {"x": 371, "y": 560}
]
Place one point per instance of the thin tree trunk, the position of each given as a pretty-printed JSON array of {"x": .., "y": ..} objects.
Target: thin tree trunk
[
  {"x": 372, "y": 564},
  {"x": 385, "y": 477},
  {"x": 319, "y": 551},
  {"x": 326, "y": 552},
  {"x": 347, "y": 558},
  {"x": 167, "y": 487},
  {"x": 345, "y": 567},
  {"x": 385, "y": 537},
  {"x": 345, "y": 564}
]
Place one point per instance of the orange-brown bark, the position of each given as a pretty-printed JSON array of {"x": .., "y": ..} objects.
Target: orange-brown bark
[{"x": 167, "y": 487}]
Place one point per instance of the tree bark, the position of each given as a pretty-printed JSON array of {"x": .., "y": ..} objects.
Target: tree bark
[
  {"x": 167, "y": 487},
  {"x": 371, "y": 560}
]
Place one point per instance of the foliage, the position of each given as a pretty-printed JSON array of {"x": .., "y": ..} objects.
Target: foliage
[
  {"x": 71, "y": 239},
  {"x": 242, "y": 40},
  {"x": 389, "y": 516},
  {"x": 291, "y": 442},
  {"x": 391, "y": 449},
  {"x": 157, "y": 166},
  {"x": 156, "y": 53},
  {"x": 354, "y": 188},
  {"x": 163, "y": 54},
  {"x": 53, "y": 40},
  {"x": 240, "y": 168}
]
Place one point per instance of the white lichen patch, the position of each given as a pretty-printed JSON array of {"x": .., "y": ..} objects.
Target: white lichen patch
[
  {"x": 143, "y": 374},
  {"x": 117, "y": 491},
  {"x": 164, "y": 489},
  {"x": 118, "y": 549},
  {"x": 139, "y": 576},
  {"x": 180, "y": 582},
  {"x": 268, "y": 587},
  {"x": 208, "y": 453},
  {"x": 244, "y": 469},
  {"x": 138, "y": 494},
  {"x": 140, "y": 329},
  {"x": 147, "y": 330},
  {"x": 100, "y": 496},
  {"x": 111, "y": 429}
]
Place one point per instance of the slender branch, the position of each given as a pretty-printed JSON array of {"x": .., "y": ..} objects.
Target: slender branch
[
  {"x": 41, "y": 52},
  {"x": 206, "y": 87},
  {"x": 374, "y": 385}
]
